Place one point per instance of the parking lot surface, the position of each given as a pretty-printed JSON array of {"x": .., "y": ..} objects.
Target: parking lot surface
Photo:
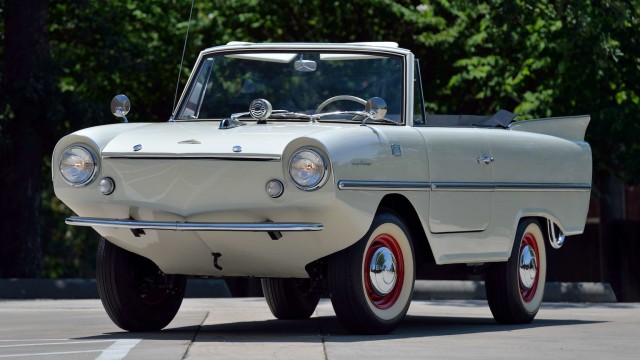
[{"x": 243, "y": 328}]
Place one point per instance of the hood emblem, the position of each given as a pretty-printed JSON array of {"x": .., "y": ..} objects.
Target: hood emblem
[
  {"x": 190, "y": 141},
  {"x": 237, "y": 148},
  {"x": 137, "y": 147}
]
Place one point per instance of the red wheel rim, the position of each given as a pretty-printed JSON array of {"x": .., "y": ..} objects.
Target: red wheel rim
[
  {"x": 384, "y": 301},
  {"x": 529, "y": 242}
]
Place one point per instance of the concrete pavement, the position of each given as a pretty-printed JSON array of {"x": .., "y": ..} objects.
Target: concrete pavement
[
  {"x": 216, "y": 288},
  {"x": 245, "y": 329}
]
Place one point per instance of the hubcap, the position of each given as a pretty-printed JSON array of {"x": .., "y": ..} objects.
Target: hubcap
[
  {"x": 528, "y": 266},
  {"x": 382, "y": 271}
]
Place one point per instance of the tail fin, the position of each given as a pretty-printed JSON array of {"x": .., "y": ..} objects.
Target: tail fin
[{"x": 568, "y": 127}]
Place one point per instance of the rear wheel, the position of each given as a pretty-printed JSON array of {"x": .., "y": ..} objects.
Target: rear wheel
[
  {"x": 371, "y": 282},
  {"x": 515, "y": 288},
  {"x": 135, "y": 293},
  {"x": 290, "y": 298}
]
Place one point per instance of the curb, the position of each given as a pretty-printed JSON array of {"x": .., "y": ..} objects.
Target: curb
[
  {"x": 87, "y": 289},
  {"x": 553, "y": 291},
  {"x": 217, "y": 288}
]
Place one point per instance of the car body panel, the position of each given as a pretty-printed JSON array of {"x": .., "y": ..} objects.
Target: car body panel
[{"x": 468, "y": 186}]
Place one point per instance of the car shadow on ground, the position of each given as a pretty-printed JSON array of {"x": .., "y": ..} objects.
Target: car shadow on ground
[{"x": 329, "y": 329}]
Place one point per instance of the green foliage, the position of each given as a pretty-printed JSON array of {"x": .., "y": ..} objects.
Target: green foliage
[
  {"x": 542, "y": 59},
  {"x": 536, "y": 58}
]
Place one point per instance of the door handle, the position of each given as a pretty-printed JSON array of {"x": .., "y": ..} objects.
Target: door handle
[{"x": 485, "y": 159}]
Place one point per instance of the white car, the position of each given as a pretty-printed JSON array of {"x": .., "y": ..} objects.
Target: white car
[{"x": 315, "y": 168}]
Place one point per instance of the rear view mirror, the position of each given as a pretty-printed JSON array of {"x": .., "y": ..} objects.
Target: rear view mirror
[{"x": 305, "y": 65}]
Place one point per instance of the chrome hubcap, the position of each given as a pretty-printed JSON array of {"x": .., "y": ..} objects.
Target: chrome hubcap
[
  {"x": 383, "y": 271},
  {"x": 528, "y": 267}
]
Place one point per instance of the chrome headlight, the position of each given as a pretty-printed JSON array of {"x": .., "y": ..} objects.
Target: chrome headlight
[
  {"x": 308, "y": 169},
  {"x": 78, "y": 165}
]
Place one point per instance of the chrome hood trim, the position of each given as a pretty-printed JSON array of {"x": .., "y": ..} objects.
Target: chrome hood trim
[{"x": 160, "y": 156}]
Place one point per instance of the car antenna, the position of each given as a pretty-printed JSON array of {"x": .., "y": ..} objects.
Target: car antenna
[{"x": 184, "y": 48}]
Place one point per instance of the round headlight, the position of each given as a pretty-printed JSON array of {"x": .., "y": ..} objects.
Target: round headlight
[
  {"x": 308, "y": 169},
  {"x": 78, "y": 165}
]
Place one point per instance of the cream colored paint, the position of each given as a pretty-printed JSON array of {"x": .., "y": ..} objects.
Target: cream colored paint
[{"x": 216, "y": 190}]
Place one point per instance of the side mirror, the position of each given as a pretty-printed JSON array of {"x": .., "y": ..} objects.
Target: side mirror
[
  {"x": 120, "y": 106},
  {"x": 376, "y": 108}
]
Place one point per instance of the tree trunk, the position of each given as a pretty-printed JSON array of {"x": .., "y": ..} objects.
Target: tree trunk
[{"x": 27, "y": 86}]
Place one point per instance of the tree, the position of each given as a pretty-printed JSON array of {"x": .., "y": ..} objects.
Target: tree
[
  {"x": 28, "y": 91},
  {"x": 538, "y": 59}
]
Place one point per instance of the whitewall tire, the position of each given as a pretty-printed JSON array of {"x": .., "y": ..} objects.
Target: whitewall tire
[
  {"x": 515, "y": 288},
  {"x": 371, "y": 282}
]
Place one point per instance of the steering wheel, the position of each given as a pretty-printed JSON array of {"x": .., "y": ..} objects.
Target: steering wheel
[{"x": 338, "y": 98}]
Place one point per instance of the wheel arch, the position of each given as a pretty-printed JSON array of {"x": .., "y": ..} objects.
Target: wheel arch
[
  {"x": 407, "y": 212},
  {"x": 543, "y": 219}
]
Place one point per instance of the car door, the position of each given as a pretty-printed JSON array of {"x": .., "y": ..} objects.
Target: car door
[{"x": 459, "y": 162}]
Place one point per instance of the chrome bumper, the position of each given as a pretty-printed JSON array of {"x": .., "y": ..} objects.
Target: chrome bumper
[{"x": 192, "y": 226}]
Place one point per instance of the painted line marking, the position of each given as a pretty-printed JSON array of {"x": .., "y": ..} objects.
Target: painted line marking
[
  {"x": 34, "y": 340},
  {"x": 118, "y": 350},
  {"x": 56, "y": 343},
  {"x": 50, "y": 353}
]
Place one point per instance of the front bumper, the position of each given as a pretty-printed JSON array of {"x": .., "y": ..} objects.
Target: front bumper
[{"x": 193, "y": 226}]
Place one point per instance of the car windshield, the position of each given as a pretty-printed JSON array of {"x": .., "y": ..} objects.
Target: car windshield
[{"x": 294, "y": 83}]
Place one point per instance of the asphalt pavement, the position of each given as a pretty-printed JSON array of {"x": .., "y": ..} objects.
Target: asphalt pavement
[{"x": 243, "y": 328}]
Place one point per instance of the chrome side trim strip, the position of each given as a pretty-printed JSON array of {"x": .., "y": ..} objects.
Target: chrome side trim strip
[
  {"x": 459, "y": 186},
  {"x": 513, "y": 187},
  {"x": 384, "y": 185},
  {"x": 542, "y": 187},
  {"x": 188, "y": 226},
  {"x": 462, "y": 186}
]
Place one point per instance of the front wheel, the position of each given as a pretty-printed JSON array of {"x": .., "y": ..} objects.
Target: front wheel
[
  {"x": 371, "y": 282},
  {"x": 515, "y": 288},
  {"x": 135, "y": 293}
]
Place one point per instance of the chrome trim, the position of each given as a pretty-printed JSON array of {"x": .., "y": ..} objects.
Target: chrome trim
[
  {"x": 325, "y": 174},
  {"x": 382, "y": 271},
  {"x": 542, "y": 187},
  {"x": 383, "y": 185},
  {"x": 233, "y": 156},
  {"x": 189, "y": 142},
  {"x": 230, "y": 123},
  {"x": 555, "y": 239},
  {"x": 192, "y": 226},
  {"x": 482, "y": 186},
  {"x": 485, "y": 160},
  {"x": 96, "y": 165},
  {"x": 527, "y": 267},
  {"x": 458, "y": 186},
  {"x": 462, "y": 186}
]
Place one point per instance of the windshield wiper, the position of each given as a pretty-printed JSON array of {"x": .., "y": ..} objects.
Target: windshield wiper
[{"x": 283, "y": 114}]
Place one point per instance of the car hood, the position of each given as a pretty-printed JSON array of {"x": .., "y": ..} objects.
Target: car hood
[{"x": 205, "y": 139}]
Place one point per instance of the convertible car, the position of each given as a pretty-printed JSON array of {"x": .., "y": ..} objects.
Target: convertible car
[{"x": 315, "y": 168}]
